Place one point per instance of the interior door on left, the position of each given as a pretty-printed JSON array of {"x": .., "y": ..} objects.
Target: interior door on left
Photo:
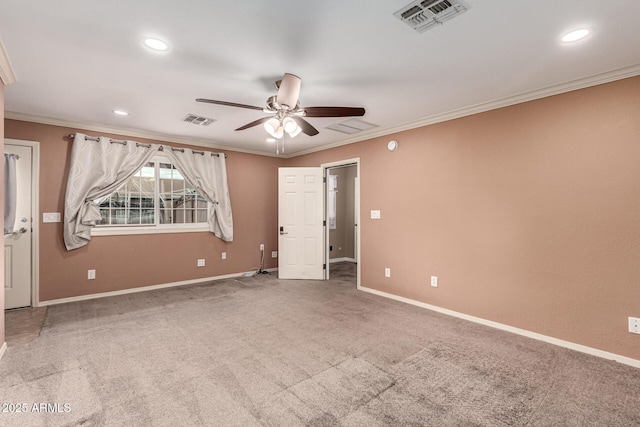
[{"x": 17, "y": 246}]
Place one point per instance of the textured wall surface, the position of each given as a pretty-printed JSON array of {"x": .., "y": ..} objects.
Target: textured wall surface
[{"x": 529, "y": 215}]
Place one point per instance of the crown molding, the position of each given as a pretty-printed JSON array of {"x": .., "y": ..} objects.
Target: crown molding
[
  {"x": 582, "y": 83},
  {"x": 7, "y": 75},
  {"x": 135, "y": 133}
]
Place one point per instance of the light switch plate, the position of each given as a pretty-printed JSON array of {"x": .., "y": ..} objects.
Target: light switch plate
[
  {"x": 375, "y": 214},
  {"x": 51, "y": 217}
]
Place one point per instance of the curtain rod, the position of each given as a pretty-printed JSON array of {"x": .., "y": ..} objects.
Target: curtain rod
[{"x": 119, "y": 141}]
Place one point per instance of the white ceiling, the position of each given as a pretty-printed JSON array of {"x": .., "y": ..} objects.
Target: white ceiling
[{"x": 77, "y": 60}]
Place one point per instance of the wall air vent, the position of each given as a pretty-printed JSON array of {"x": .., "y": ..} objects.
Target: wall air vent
[
  {"x": 422, "y": 15},
  {"x": 198, "y": 120}
]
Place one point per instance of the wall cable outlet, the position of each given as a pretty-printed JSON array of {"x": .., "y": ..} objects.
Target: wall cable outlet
[{"x": 634, "y": 325}]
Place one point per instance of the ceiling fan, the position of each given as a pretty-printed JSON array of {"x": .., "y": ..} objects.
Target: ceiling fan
[{"x": 287, "y": 113}]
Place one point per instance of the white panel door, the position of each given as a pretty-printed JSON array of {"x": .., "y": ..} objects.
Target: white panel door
[
  {"x": 300, "y": 221},
  {"x": 17, "y": 246}
]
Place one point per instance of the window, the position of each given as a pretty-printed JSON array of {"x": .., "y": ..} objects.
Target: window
[{"x": 155, "y": 199}]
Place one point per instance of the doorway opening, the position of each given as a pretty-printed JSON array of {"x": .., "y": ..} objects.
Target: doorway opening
[{"x": 342, "y": 216}]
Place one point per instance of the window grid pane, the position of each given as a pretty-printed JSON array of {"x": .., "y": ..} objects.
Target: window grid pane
[{"x": 134, "y": 202}]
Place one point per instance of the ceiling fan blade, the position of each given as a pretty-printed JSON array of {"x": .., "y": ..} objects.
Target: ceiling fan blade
[
  {"x": 305, "y": 126},
  {"x": 254, "y": 123},
  {"x": 229, "y": 104},
  {"x": 333, "y": 111},
  {"x": 289, "y": 91}
]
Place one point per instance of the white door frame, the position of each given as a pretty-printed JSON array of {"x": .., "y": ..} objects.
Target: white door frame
[
  {"x": 325, "y": 167},
  {"x": 35, "y": 221}
]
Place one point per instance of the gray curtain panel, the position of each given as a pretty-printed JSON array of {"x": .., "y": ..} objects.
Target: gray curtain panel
[
  {"x": 10, "y": 195},
  {"x": 96, "y": 170},
  {"x": 207, "y": 173}
]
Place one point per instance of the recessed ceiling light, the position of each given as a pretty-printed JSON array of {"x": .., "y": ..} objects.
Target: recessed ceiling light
[
  {"x": 271, "y": 140},
  {"x": 575, "y": 35},
  {"x": 156, "y": 44},
  {"x": 120, "y": 113}
]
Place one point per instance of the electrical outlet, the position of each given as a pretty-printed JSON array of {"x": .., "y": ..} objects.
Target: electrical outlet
[
  {"x": 261, "y": 247},
  {"x": 224, "y": 255},
  {"x": 387, "y": 272},
  {"x": 634, "y": 325},
  {"x": 434, "y": 281},
  {"x": 200, "y": 263},
  {"x": 91, "y": 274},
  {"x": 274, "y": 254}
]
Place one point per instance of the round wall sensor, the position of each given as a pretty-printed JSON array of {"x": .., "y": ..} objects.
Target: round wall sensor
[{"x": 392, "y": 145}]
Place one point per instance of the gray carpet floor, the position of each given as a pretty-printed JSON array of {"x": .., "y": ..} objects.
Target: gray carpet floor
[{"x": 259, "y": 351}]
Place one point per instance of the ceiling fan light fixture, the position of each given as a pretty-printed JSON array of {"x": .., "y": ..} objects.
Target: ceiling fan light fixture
[
  {"x": 296, "y": 132},
  {"x": 279, "y": 133},
  {"x": 271, "y": 126},
  {"x": 289, "y": 125}
]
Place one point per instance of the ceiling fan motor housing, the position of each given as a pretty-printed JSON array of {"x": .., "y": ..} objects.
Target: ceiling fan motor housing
[{"x": 289, "y": 91}]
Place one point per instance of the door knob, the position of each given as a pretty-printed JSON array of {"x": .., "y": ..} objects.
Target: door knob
[{"x": 23, "y": 230}]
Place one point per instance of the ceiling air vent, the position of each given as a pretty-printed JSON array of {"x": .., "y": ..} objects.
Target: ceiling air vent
[
  {"x": 422, "y": 15},
  {"x": 351, "y": 126},
  {"x": 198, "y": 120}
]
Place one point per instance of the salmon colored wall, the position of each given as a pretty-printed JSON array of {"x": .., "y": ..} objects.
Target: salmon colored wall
[
  {"x": 123, "y": 262},
  {"x": 529, "y": 215}
]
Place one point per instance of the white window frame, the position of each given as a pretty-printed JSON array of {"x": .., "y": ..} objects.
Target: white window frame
[{"x": 121, "y": 230}]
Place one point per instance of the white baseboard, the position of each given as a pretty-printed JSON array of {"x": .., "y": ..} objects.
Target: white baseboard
[
  {"x": 142, "y": 289},
  {"x": 551, "y": 340},
  {"x": 343, "y": 259},
  {"x": 3, "y": 349}
]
